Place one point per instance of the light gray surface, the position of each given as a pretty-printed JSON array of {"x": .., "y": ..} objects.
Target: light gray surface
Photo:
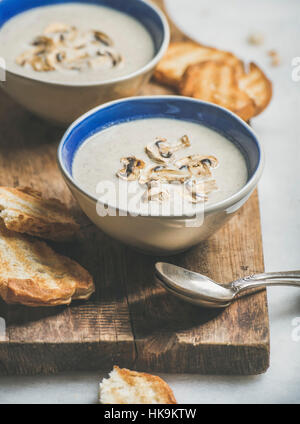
[{"x": 279, "y": 131}]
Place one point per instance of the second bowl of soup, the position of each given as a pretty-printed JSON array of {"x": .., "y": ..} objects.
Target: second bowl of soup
[
  {"x": 160, "y": 173},
  {"x": 63, "y": 58}
]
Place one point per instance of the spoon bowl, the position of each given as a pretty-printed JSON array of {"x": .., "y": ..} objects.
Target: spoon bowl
[
  {"x": 201, "y": 290},
  {"x": 192, "y": 286}
]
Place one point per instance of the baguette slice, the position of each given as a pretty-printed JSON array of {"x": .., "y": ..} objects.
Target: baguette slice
[
  {"x": 217, "y": 82},
  {"x": 130, "y": 387},
  {"x": 32, "y": 274},
  {"x": 25, "y": 211},
  {"x": 257, "y": 86},
  {"x": 180, "y": 55}
]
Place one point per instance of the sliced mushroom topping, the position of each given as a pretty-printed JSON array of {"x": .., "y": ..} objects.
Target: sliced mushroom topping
[
  {"x": 24, "y": 58},
  {"x": 184, "y": 142},
  {"x": 61, "y": 33},
  {"x": 74, "y": 58},
  {"x": 40, "y": 64},
  {"x": 116, "y": 58},
  {"x": 197, "y": 164},
  {"x": 156, "y": 192},
  {"x": 103, "y": 38},
  {"x": 161, "y": 151},
  {"x": 105, "y": 59},
  {"x": 190, "y": 173},
  {"x": 132, "y": 168},
  {"x": 43, "y": 41},
  {"x": 197, "y": 191},
  {"x": 55, "y": 57},
  {"x": 63, "y": 46},
  {"x": 163, "y": 174}
]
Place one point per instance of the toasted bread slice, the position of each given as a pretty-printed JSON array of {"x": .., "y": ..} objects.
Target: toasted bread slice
[
  {"x": 257, "y": 86},
  {"x": 216, "y": 82},
  {"x": 180, "y": 55},
  {"x": 25, "y": 211},
  {"x": 130, "y": 387},
  {"x": 32, "y": 274}
]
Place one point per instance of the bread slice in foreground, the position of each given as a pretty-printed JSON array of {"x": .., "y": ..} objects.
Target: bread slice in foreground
[
  {"x": 180, "y": 55},
  {"x": 25, "y": 211},
  {"x": 257, "y": 86},
  {"x": 32, "y": 274},
  {"x": 217, "y": 82},
  {"x": 130, "y": 387}
]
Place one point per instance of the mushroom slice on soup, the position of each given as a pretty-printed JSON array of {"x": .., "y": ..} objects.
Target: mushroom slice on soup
[
  {"x": 197, "y": 191},
  {"x": 61, "y": 32},
  {"x": 161, "y": 151},
  {"x": 164, "y": 174},
  {"x": 40, "y": 64},
  {"x": 131, "y": 168},
  {"x": 198, "y": 165},
  {"x": 63, "y": 46},
  {"x": 43, "y": 42},
  {"x": 103, "y": 38},
  {"x": 156, "y": 192}
]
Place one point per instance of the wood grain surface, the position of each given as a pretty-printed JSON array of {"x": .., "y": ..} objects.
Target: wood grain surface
[{"x": 129, "y": 321}]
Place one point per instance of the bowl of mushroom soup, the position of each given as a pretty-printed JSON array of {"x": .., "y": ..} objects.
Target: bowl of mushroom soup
[
  {"x": 63, "y": 58},
  {"x": 160, "y": 173}
]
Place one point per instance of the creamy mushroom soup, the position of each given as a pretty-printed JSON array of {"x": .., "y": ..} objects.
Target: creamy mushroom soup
[
  {"x": 165, "y": 162},
  {"x": 75, "y": 43}
]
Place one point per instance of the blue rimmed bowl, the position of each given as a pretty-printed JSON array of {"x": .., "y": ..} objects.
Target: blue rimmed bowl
[
  {"x": 62, "y": 103},
  {"x": 162, "y": 234}
]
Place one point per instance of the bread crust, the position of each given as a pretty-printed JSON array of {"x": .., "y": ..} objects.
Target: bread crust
[
  {"x": 24, "y": 210},
  {"x": 217, "y": 82},
  {"x": 32, "y": 274},
  {"x": 181, "y": 55},
  {"x": 256, "y": 84}
]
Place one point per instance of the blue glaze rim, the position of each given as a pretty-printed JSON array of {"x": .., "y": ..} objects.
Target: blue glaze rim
[
  {"x": 148, "y": 14},
  {"x": 176, "y": 107}
]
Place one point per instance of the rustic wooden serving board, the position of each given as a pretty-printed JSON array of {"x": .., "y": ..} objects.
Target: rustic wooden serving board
[{"x": 129, "y": 321}]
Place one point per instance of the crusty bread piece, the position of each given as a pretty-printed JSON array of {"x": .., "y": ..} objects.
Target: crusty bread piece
[
  {"x": 180, "y": 55},
  {"x": 257, "y": 86},
  {"x": 130, "y": 387},
  {"x": 25, "y": 211},
  {"x": 217, "y": 82},
  {"x": 32, "y": 274}
]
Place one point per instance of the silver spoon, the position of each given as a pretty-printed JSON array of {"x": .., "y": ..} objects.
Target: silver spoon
[{"x": 201, "y": 290}]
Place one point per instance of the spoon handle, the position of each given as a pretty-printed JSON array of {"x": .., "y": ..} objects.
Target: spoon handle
[{"x": 287, "y": 278}]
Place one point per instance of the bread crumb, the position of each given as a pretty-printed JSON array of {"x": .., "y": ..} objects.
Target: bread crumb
[
  {"x": 275, "y": 59},
  {"x": 256, "y": 39},
  {"x": 130, "y": 387}
]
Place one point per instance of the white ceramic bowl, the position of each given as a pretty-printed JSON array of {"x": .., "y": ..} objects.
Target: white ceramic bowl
[
  {"x": 162, "y": 234},
  {"x": 62, "y": 103}
]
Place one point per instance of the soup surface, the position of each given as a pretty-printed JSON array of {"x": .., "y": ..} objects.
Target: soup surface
[
  {"x": 149, "y": 160},
  {"x": 75, "y": 43}
]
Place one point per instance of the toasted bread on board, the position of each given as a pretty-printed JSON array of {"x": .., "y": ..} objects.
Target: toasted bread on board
[
  {"x": 257, "y": 86},
  {"x": 217, "y": 82},
  {"x": 32, "y": 274},
  {"x": 180, "y": 55},
  {"x": 130, "y": 387},
  {"x": 25, "y": 211}
]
